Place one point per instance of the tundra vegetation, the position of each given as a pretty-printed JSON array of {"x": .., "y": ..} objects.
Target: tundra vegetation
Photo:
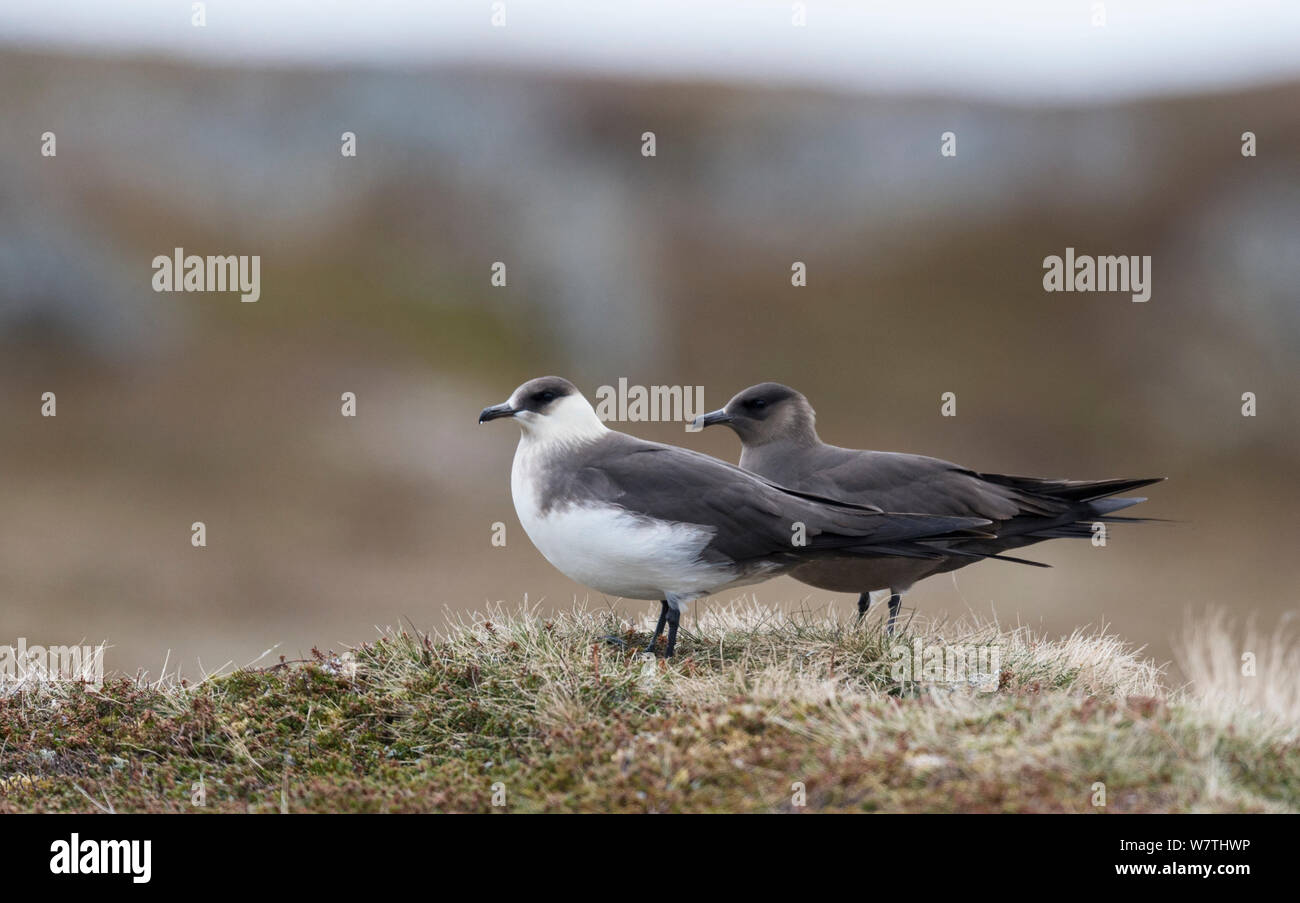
[{"x": 761, "y": 711}]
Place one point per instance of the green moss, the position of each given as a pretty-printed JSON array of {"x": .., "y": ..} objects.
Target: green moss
[{"x": 753, "y": 714}]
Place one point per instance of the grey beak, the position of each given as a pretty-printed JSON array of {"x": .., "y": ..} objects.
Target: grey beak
[
  {"x": 718, "y": 416},
  {"x": 496, "y": 412}
]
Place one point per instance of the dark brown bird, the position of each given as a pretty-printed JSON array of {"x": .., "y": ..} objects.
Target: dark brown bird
[{"x": 780, "y": 442}]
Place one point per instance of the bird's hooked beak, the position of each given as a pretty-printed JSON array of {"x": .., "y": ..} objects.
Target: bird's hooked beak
[
  {"x": 496, "y": 412},
  {"x": 718, "y": 416}
]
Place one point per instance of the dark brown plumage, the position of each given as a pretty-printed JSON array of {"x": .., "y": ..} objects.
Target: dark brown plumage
[{"x": 776, "y": 425}]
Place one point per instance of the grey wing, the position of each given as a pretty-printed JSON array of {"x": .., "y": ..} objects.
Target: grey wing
[
  {"x": 753, "y": 517},
  {"x": 1022, "y": 508},
  {"x": 899, "y": 482}
]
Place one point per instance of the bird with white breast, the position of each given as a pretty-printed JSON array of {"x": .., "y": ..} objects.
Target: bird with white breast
[{"x": 641, "y": 520}]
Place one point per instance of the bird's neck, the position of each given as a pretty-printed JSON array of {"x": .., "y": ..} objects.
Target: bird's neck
[
  {"x": 778, "y": 453},
  {"x": 561, "y": 436}
]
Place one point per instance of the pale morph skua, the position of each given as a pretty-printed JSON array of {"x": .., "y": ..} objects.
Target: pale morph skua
[
  {"x": 641, "y": 520},
  {"x": 779, "y": 440}
]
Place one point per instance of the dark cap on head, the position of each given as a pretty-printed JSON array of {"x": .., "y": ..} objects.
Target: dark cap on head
[
  {"x": 536, "y": 395},
  {"x": 765, "y": 413}
]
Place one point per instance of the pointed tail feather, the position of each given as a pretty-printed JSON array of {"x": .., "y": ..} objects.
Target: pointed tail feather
[{"x": 1069, "y": 490}]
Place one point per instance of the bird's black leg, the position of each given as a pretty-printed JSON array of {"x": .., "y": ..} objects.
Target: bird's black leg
[
  {"x": 659, "y": 628},
  {"x": 864, "y": 602},
  {"x": 895, "y": 602},
  {"x": 674, "y": 616}
]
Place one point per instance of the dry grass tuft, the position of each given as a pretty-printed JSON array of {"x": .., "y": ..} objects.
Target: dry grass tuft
[
  {"x": 761, "y": 711},
  {"x": 1243, "y": 676}
]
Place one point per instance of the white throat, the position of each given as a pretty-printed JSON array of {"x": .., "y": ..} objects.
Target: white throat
[{"x": 569, "y": 421}]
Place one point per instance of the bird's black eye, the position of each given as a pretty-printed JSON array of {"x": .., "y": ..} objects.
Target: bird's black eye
[
  {"x": 545, "y": 397},
  {"x": 756, "y": 403}
]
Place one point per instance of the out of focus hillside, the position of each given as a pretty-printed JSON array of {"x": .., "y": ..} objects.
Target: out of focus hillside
[{"x": 924, "y": 276}]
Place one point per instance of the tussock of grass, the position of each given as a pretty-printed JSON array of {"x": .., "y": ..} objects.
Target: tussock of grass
[
  {"x": 760, "y": 711},
  {"x": 1248, "y": 678}
]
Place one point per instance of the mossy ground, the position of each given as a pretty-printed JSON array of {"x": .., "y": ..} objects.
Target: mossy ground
[{"x": 759, "y": 712}]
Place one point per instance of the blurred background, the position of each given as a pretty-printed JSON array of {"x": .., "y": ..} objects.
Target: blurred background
[{"x": 479, "y": 143}]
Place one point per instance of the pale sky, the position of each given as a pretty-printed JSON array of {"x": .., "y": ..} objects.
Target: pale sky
[{"x": 1012, "y": 49}]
